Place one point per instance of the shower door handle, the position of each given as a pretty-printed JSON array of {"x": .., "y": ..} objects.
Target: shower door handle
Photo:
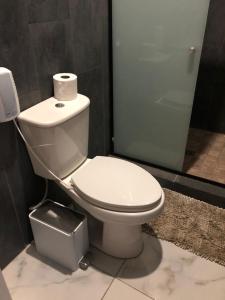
[{"x": 192, "y": 50}]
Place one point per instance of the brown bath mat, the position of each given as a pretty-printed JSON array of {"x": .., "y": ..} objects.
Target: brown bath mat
[{"x": 192, "y": 225}]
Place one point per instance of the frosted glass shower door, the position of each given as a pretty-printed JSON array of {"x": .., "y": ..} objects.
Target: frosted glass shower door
[{"x": 156, "y": 52}]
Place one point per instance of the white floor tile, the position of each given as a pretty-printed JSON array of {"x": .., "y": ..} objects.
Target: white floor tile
[
  {"x": 31, "y": 277},
  {"x": 167, "y": 272},
  {"x": 105, "y": 263},
  {"x": 162, "y": 272},
  {"x": 119, "y": 290}
]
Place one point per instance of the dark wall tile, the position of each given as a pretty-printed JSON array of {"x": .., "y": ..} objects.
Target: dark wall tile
[
  {"x": 48, "y": 10},
  {"x": 208, "y": 110},
  {"x": 204, "y": 96},
  {"x": 106, "y": 87},
  {"x": 15, "y": 51},
  {"x": 11, "y": 236},
  {"x": 7, "y": 148},
  {"x": 88, "y": 33},
  {"x": 29, "y": 99},
  {"x": 90, "y": 85},
  {"x": 216, "y": 120},
  {"x": 51, "y": 43},
  {"x": 57, "y": 194},
  {"x": 25, "y": 188}
]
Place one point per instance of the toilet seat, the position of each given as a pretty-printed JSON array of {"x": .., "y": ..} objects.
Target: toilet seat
[{"x": 117, "y": 185}]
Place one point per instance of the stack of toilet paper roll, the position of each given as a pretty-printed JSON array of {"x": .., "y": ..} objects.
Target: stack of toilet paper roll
[{"x": 65, "y": 86}]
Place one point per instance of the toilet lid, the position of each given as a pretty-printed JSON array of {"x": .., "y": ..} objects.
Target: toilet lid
[{"x": 116, "y": 184}]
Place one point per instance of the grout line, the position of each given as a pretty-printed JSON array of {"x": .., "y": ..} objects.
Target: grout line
[
  {"x": 136, "y": 289},
  {"x": 102, "y": 270},
  {"x": 123, "y": 263},
  {"x": 115, "y": 277},
  {"x": 50, "y": 21},
  {"x": 120, "y": 268},
  {"x": 108, "y": 288}
]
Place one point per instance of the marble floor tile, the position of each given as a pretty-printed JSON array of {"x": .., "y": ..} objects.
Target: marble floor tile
[
  {"x": 162, "y": 272},
  {"x": 30, "y": 276},
  {"x": 166, "y": 272},
  {"x": 105, "y": 263},
  {"x": 119, "y": 290}
]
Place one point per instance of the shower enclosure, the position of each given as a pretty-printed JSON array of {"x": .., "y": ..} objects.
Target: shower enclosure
[{"x": 156, "y": 53}]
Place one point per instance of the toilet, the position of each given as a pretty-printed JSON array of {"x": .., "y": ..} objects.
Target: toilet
[{"x": 120, "y": 194}]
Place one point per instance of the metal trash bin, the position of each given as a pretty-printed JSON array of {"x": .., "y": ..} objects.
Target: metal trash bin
[{"x": 60, "y": 233}]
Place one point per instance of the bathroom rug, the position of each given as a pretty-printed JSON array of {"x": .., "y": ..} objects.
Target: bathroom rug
[{"x": 192, "y": 225}]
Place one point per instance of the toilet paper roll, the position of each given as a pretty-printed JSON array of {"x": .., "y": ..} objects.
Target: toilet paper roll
[{"x": 65, "y": 86}]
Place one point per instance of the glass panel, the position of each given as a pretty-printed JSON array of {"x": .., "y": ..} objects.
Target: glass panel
[{"x": 156, "y": 53}]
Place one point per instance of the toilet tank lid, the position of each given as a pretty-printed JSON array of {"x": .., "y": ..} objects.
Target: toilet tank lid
[{"x": 52, "y": 112}]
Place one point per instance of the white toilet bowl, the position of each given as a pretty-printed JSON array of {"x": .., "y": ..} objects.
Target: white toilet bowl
[{"x": 94, "y": 185}]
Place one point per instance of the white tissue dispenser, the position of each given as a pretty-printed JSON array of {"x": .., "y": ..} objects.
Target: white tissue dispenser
[
  {"x": 60, "y": 234},
  {"x": 9, "y": 102}
]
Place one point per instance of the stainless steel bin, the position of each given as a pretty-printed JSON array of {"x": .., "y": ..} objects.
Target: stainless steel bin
[{"x": 60, "y": 233}]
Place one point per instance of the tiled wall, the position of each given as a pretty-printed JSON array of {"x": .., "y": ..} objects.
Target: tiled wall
[
  {"x": 209, "y": 103},
  {"x": 39, "y": 38}
]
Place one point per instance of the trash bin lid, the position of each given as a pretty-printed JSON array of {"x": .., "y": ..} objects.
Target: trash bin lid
[{"x": 58, "y": 216}]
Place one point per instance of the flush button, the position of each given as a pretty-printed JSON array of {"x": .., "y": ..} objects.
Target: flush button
[{"x": 59, "y": 105}]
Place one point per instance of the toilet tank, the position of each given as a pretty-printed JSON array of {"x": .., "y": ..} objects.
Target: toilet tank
[{"x": 57, "y": 131}]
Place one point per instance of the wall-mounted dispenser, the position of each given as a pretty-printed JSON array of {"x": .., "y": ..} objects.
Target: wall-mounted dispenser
[{"x": 9, "y": 102}]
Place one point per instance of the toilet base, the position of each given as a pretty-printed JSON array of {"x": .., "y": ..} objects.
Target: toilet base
[{"x": 122, "y": 241}]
